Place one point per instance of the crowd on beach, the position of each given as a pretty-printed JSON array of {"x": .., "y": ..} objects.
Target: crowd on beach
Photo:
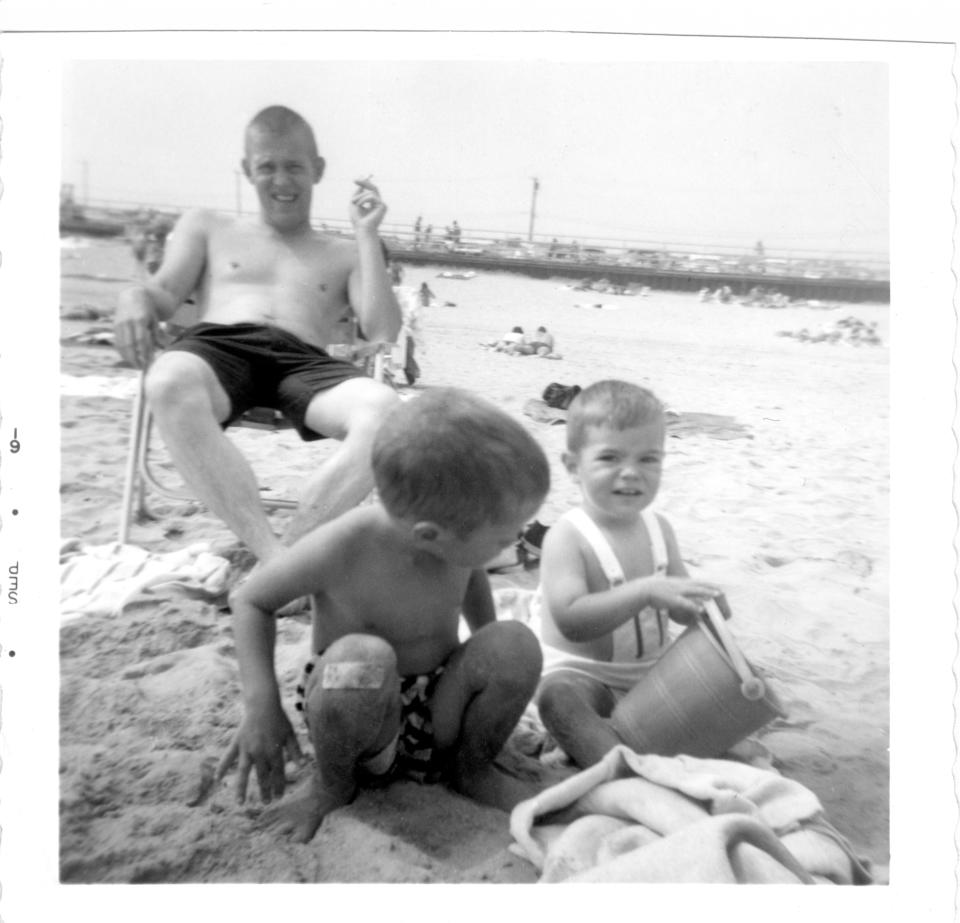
[
  {"x": 392, "y": 685},
  {"x": 849, "y": 330}
]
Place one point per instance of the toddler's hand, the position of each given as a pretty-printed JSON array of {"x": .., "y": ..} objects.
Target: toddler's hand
[{"x": 682, "y": 596}]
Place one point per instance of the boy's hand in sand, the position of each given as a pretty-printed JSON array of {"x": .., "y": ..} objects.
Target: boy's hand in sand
[
  {"x": 366, "y": 208},
  {"x": 682, "y": 596},
  {"x": 264, "y": 742}
]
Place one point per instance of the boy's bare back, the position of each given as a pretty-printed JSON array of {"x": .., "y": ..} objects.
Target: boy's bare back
[{"x": 367, "y": 580}]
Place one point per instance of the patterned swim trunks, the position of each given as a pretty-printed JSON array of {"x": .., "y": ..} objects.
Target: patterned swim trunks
[{"x": 413, "y": 753}]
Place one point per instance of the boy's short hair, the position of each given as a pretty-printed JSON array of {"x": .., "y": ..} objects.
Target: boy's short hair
[
  {"x": 279, "y": 120},
  {"x": 616, "y": 404},
  {"x": 455, "y": 459}
]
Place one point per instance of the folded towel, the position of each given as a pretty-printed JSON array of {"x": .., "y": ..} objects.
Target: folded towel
[
  {"x": 676, "y": 817},
  {"x": 102, "y": 579}
]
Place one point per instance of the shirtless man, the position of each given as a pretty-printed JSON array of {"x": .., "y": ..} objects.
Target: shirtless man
[{"x": 272, "y": 293}]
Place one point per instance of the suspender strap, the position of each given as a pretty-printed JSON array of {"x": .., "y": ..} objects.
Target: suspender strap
[
  {"x": 601, "y": 547},
  {"x": 611, "y": 565},
  {"x": 605, "y": 555}
]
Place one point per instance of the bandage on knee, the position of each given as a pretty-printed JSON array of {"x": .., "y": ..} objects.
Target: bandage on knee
[{"x": 353, "y": 675}]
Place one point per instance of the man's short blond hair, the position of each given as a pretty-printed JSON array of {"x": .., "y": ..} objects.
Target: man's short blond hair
[{"x": 279, "y": 120}]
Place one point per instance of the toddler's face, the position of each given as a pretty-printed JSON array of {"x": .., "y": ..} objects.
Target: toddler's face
[{"x": 619, "y": 470}]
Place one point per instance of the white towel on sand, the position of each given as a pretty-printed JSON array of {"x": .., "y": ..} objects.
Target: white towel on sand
[
  {"x": 102, "y": 579},
  {"x": 672, "y": 819}
]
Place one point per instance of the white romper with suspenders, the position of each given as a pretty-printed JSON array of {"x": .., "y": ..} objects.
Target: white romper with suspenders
[{"x": 637, "y": 643}]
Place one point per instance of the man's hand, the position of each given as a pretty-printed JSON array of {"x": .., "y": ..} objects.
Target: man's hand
[
  {"x": 366, "y": 208},
  {"x": 261, "y": 742},
  {"x": 135, "y": 328}
]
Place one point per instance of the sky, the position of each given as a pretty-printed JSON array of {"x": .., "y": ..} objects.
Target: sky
[{"x": 726, "y": 153}]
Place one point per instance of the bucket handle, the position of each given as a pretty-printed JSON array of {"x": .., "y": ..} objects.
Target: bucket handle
[{"x": 751, "y": 687}]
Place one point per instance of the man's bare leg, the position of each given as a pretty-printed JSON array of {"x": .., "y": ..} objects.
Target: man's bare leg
[
  {"x": 189, "y": 405},
  {"x": 479, "y": 700},
  {"x": 353, "y": 712},
  {"x": 351, "y": 412}
]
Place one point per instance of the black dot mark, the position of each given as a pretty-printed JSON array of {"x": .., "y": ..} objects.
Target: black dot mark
[
  {"x": 11, "y": 653},
  {"x": 15, "y": 512}
]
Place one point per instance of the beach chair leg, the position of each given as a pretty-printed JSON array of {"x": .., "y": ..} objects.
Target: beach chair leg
[{"x": 131, "y": 480}]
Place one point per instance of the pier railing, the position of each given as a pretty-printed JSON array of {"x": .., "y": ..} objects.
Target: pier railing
[{"x": 794, "y": 271}]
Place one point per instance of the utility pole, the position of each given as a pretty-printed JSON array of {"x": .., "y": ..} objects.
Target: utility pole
[{"x": 533, "y": 208}]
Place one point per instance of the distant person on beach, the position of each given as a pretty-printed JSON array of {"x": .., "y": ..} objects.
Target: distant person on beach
[
  {"x": 425, "y": 295},
  {"x": 410, "y": 334},
  {"x": 272, "y": 292},
  {"x": 511, "y": 339},
  {"x": 149, "y": 242},
  {"x": 539, "y": 343},
  {"x": 391, "y": 692},
  {"x": 611, "y": 574}
]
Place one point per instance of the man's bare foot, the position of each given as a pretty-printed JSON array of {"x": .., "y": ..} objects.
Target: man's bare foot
[{"x": 300, "y": 814}]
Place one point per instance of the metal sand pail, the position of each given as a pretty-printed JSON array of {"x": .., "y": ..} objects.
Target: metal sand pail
[{"x": 702, "y": 696}]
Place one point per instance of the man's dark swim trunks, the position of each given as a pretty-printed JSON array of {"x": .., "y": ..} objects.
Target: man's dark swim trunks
[
  {"x": 413, "y": 753},
  {"x": 263, "y": 366}
]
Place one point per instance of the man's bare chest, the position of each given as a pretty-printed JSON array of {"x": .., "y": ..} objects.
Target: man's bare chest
[{"x": 314, "y": 269}]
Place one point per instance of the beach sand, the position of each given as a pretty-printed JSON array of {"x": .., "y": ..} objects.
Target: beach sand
[{"x": 776, "y": 485}]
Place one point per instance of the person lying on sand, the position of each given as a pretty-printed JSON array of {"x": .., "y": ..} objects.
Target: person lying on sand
[
  {"x": 513, "y": 337},
  {"x": 540, "y": 343},
  {"x": 604, "y": 625},
  {"x": 391, "y": 691},
  {"x": 271, "y": 292}
]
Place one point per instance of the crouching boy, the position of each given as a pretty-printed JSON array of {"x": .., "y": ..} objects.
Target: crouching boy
[{"x": 390, "y": 690}]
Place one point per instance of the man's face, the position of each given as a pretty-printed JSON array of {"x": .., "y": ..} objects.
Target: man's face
[{"x": 283, "y": 169}]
